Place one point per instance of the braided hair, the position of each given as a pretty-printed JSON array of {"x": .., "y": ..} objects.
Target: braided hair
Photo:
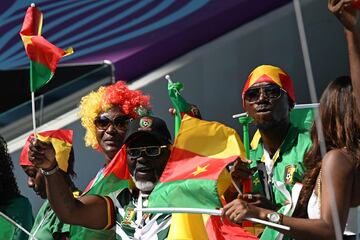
[{"x": 8, "y": 186}]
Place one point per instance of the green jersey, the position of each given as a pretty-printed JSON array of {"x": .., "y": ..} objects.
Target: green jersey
[
  {"x": 130, "y": 224},
  {"x": 19, "y": 209},
  {"x": 276, "y": 175},
  {"x": 48, "y": 226}
]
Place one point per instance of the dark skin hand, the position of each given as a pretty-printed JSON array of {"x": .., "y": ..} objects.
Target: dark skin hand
[
  {"x": 194, "y": 111},
  {"x": 271, "y": 116},
  {"x": 347, "y": 15},
  {"x": 339, "y": 166},
  {"x": 91, "y": 211},
  {"x": 241, "y": 171},
  {"x": 338, "y": 172},
  {"x": 88, "y": 211}
]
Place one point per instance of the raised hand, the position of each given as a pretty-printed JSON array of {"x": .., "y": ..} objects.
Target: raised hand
[
  {"x": 194, "y": 111},
  {"x": 241, "y": 170},
  {"x": 345, "y": 12},
  {"x": 42, "y": 154}
]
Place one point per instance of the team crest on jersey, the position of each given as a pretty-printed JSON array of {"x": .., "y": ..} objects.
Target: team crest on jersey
[
  {"x": 145, "y": 123},
  {"x": 289, "y": 174},
  {"x": 129, "y": 216}
]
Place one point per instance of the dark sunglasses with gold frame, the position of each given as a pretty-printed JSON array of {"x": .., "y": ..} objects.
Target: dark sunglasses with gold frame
[
  {"x": 120, "y": 123},
  {"x": 271, "y": 92}
]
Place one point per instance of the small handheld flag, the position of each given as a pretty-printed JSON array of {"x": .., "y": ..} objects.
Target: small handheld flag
[{"x": 43, "y": 55}]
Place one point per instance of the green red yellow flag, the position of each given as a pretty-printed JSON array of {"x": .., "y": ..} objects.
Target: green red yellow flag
[
  {"x": 194, "y": 176},
  {"x": 113, "y": 177},
  {"x": 43, "y": 55},
  {"x": 178, "y": 102},
  {"x": 61, "y": 141},
  {"x": 176, "y": 99}
]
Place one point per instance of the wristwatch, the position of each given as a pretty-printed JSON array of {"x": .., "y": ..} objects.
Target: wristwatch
[
  {"x": 275, "y": 217},
  {"x": 50, "y": 172}
]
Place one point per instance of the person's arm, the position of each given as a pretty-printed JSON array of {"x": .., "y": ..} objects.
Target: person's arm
[
  {"x": 336, "y": 167},
  {"x": 347, "y": 15},
  {"x": 87, "y": 211}
]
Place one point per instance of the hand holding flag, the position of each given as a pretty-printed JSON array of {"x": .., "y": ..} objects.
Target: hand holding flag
[
  {"x": 44, "y": 56},
  {"x": 200, "y": 181}
]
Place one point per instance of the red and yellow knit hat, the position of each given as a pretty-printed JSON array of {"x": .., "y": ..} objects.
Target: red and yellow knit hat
[{"x": 270, "y": 74}]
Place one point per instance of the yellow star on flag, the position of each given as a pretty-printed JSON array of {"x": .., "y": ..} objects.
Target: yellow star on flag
[{"x": 200, "y": 170}]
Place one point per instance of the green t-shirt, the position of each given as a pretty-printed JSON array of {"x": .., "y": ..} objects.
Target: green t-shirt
[
  {"x": 287, "y": 170},
  {"x": 131, "y": 226},
  {"x": 48, "y": 226},
  {"x": 20, "y": 210}
]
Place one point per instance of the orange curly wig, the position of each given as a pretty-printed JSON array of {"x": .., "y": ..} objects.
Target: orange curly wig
[{"x": 96, "y": 102}]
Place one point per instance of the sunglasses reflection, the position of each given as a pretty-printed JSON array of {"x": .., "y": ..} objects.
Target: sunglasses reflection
[
  {"x": 103, "y": 122},
  {"x": 150, "y": 151},
  {"x": 272, "y": 92}
]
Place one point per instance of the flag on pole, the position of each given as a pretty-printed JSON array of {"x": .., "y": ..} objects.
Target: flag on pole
[
  {"x": 113, "y": 177},
  {"x": 176, "y": 99},
  {"x": 61, "y": 141},
  {"x": 183, "y": 225},
  {"x": 44, "y": 56},
  {"x": 303, "y": 115},
  {"x": 178, "y": 102},
  {"x": 194, "y": 176}
]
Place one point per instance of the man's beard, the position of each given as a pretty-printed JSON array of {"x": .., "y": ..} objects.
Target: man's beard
[
  {"x": 265, "y": 125},
  {"x": 144, "y": 186}
]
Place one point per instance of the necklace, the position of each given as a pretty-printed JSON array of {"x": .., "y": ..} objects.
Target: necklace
[
  {"x": 318, "y": 187},
  {"x": 270, "y": 161}
]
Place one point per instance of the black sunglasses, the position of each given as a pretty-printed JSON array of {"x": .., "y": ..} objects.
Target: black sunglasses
[
  {"x": 120, "y": 123},
  {"x": 271, "y": 92},
  {"x": 151, "y": 151}
]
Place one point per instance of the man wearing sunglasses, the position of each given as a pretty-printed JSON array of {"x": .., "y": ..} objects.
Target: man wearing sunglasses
[
  {"x": 148, "y": 147},
  {"x": 278, "y": 147}
]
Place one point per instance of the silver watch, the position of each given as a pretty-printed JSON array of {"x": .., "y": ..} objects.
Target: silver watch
[
  {"x": 50, "y": 172},
  {"x": 274, "y": 217}
]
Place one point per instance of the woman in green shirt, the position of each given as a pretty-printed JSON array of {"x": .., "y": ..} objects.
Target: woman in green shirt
[{"x": 12, "y": 203}]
